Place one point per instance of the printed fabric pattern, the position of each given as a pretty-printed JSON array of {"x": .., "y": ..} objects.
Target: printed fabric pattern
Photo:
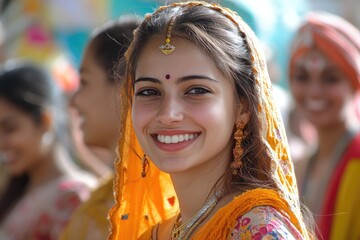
[
  {"x": 264, "y": 222},
  {"x": 43, "y": 213}
]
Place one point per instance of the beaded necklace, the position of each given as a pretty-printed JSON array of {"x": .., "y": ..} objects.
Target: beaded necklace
[{"x": 183, "y": 231}]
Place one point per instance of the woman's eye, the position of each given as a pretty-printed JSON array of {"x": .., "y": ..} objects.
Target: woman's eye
[
  {"x": 301, "y": 77},
  {"x": 8, "y": 129},
  {"x": 147, "y": 92},
  {"x": 82, "y": 82},
  {"x": 198, "y": 90},
  {"x": 331, "y": 79}
]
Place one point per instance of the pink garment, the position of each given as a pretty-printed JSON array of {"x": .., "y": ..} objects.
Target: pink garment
[
  {"x": 264, "y": 222},
  {"x": 43, "y": 213}
]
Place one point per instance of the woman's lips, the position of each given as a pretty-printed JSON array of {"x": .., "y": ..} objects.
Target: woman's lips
[{"x": 315, "y": 105}]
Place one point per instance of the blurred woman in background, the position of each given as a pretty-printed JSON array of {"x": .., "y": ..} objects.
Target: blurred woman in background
[
  {"x": 325, "y": 82},
  {"x": 45, "y": 186},
  {"x": 98, "y": 105}
]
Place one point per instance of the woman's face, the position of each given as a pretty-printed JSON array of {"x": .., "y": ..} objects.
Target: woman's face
[
  {"x": 95, "y": 101},
  {"x": 21, "y": 142},
  {"x": 322, "y": 92},
  {"x": 184, "y": 109}
]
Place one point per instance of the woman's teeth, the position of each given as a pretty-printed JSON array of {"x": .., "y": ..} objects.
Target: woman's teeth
[
  {"x": 175, "y": 138},
  {"x": 315, "y": 105}
]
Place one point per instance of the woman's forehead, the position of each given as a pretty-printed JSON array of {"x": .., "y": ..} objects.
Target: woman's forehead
[{"x": 186, "y": 59}]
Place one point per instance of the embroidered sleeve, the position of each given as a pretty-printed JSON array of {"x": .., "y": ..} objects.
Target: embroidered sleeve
[
  {"x": 264, "y": 223},
  {"x": 52, "y": 220}
]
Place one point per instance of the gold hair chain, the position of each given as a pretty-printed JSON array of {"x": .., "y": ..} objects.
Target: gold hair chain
[{"x": 168, "y": 48}]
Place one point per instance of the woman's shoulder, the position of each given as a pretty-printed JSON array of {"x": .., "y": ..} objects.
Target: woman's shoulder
[
  {"x": 89, "y": 220},
  {"x": 45, "y": 211},
  {"x": 264, "y": 221},
  {"x": 100, "y": 200},
  {"x": 69, "y": 185},
  {"x": 67, "y": 193}
]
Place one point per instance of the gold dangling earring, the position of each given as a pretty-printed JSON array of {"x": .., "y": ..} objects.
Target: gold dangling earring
[
  {"x": 145, "y": 163},
  {"x": 238, "y": 150}
]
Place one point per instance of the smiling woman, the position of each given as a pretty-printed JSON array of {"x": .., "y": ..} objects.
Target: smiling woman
[
  {"x": 97, "y": 102},
  {"x": 203, "y": 149},
  {"x": 45, "y": 186},
  {"x": 325, "y": 82}
]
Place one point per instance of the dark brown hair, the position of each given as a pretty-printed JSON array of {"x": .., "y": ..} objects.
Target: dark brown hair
[{"x": 110, "y": 42}]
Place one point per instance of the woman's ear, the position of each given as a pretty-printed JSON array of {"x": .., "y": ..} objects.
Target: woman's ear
[
  {"x": 47, "y": 125},
  {"x": 243, "y": 113},
  {"x": 46, "y": 120},
  {"x": 243, "y": 117}
]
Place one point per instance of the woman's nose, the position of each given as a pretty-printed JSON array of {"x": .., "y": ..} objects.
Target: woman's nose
[
  {"x": 315, "y": 89},
  {"x": 170, "y": 111},
  {"x": 73, "y": 99}
]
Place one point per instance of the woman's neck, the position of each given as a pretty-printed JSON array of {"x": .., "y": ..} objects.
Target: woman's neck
[
  {"x": 110, "y": 154},
  {"x": 47, "y": 169},
  {"x": 194, "y": 188},
  {"x": 328, "y": 139}
]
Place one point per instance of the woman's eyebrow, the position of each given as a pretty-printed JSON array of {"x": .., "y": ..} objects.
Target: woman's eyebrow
[
  {"x": 180, "y": 80},
  {"x": 192, "y": 77},
  {"x": 144, "y": 79}
]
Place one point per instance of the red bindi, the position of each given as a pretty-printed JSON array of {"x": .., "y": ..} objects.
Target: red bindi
[{"x": 167, "y": 76}]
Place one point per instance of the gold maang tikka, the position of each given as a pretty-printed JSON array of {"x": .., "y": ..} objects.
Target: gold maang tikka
[{"x": 168, "y": 48}]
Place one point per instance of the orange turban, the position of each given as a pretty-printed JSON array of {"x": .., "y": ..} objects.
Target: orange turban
[{"x": 338, "y": 39}]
